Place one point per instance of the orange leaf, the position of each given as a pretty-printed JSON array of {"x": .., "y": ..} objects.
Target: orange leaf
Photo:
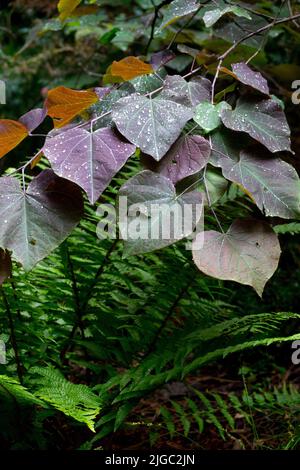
[
  {"x": 109, "y": 78},
  {"x": 36, "y": 160},
  {"x": 130, "y": 67},
  {"x": 11, "y": 134},
  {"x": 228, "y": 72},
  {"x": 63, "y": 104}
]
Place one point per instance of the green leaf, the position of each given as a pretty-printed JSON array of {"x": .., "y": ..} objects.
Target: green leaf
[
  {"x": 176, "y": 10},
  {"x": 74, "y": 400},
  {"x": 212, "y": 16},
  {"x": 207, "y": 115}
]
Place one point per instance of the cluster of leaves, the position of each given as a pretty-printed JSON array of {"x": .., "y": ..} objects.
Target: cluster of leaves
[
  {"x": 194, "y": 123},
  {"x": 181, "y": 129}
]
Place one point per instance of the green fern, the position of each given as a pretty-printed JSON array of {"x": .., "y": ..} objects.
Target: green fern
[{"x": 74, "y": 400}]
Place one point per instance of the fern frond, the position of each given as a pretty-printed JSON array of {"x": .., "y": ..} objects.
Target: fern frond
[{"x": 74, "y": 400}]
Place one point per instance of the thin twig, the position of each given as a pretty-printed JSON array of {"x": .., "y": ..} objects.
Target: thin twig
[{"x": 223, "y": 56}]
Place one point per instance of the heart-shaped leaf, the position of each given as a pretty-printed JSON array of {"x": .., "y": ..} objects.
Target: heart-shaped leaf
[
  {"x": 157, "y": 217},
  {"x": 272, "y": 183},
  {"x": 11, "y": 134},
  {"x": 153, "y": 124},
  {"x": 188, "y": 155},
  {"x": 253, "y": 79},
  {"x": 34, "y": 222},
  {"x": 64, "y": 104},
  {"x": 248, "y": 253},
  {"x": 90, "y": 160},
  {"x": 263, "y": 120},
  {"x": 129, "y": 68}
]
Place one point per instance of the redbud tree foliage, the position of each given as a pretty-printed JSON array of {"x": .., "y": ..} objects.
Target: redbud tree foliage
[{"x": 193, "y": 136}]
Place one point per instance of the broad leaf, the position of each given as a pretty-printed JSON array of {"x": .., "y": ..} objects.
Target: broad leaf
[
  {"x": 176, "y": 10},
  {"x": 11, "y": 134},
  {"x": 248, "y": 253},
  {"x": 212, "y": 16},
  {"x": 33, "y": 118},
  {"x": 5, "y": 266},
  {"x": 66, "y": 8},
  {"x": 195, "y": 91},
  {"x": 188, "y": 155},
  {"x": 64, "y": 104},
  {"x": 253, "y": 79},
  {"x": 215, "y": 184},
  {"x": 153, "y": 124},
  {"x": 272, "y": 183},
  {"x": 34, "y": 222},
  {"x": 207, "y": 115},
  {"x": 263, "y": 120},
  {"x": 130, "y": 67},
  {"x": 157, "y": 217},
  {"x": 233, "y": 31},
  {"x": 89, "y": 159}
]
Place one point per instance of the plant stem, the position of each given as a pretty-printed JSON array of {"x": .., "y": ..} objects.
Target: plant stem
[
  {"x": 166, "y": 319},
  {"x": 13, "y": 336}
]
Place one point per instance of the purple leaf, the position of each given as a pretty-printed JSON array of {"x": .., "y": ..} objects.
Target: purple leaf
[
  {"x": 5, "y": 266},
  {"x": 36, "y": 221},
  {"x": 249, "y": 77},
  {"x": 263, "y": 120},
  {"x": 33, "y": 118},
  {"x": 197, "y": 90},
  {"x": 159, "y": 59},
  {"x": 233, "y": 31},
  {"x": 248, "y": 253},
  {"x": 188, "y": 155},
  {"x": 272, "y": 183},
  {"x": 153, "y": 124},
  {"x": 89, "y": 160}
]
